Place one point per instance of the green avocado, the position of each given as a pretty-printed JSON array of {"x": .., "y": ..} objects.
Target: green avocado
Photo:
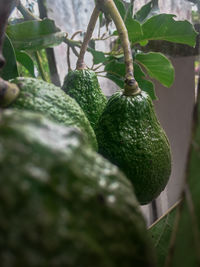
[
  {"x": 130, "y": 136},
  {"x": 50, "y": 100},
  {"x": 62, "y": 204},
  {"x": 83, "y": 86}
]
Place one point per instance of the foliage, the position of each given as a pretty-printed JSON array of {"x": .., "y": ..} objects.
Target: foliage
[
  {"x": 178, "y": 230},
  {"x": 161, "y": 232},
  {"x": 29, "y": 36}
]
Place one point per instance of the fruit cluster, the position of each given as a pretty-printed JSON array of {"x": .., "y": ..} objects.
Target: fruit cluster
[{"x": 62, "y": 203}]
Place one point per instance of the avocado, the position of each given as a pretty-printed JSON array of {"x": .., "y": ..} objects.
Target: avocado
[
  {"x": 62, "y": 204},
  {"x": 84, "y": 87},
  {"x": 130, "y": 136},
  {"x": 50, "y": 100}
]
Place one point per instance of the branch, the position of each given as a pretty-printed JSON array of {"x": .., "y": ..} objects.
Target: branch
[
  {"x": 108, "y": 7},
  {"x": 80, "y": 62}
]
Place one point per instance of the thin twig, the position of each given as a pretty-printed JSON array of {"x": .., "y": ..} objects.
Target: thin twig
[
  {"x": 99, "y": 29},
  {"x": 165, "y": 214},
  {"x": 68, "y": 50},
  {"x": 68, "y": 59},
  {"x": 94, "y": 69},
  {"x": 75, "y": 51},
  {"x": 102, "y": 38},
  {"x": 93, "y": 19},
  {"x": 103, "y": 76},
  {"x": 102, "y": 71}
]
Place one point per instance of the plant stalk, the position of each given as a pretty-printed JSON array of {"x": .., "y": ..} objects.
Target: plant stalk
[
  {"x": 108, "y": 7},
  {"x": 40, "y": 66},
  {"x": 80, "y": 62}
]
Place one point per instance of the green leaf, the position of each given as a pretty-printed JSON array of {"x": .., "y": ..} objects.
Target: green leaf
[
  {"x": 119, "y": 80},
  {"x": 161, "y": 232},
  {"x": 10, "y": 69},
  {"x": 121, "y": 8},
  {"x": 164, "y": 27},
  {"x": 183, "y": 232},
  {"x": 187, "y": 239},
  {"x": 134, "y": 29},
  {"x": 129, "y": 11},
  {"x": 144, "y": 84},
  {"x": 116, "y": 72},
  {"x": 98, "y": 56},
  {"x": 143, "y": 12},
  {"x": 35, "y": 35},
  {"x": 25, "y": 60},
  {"x": 158, "y": 67}
]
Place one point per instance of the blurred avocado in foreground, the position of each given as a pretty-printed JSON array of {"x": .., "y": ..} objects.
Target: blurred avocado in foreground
[
  {"x": 83, "y": 86},
  {"x": 130, "y": 136},
  {"x": 62, "y": 204},
  {"x": 48, "y": 99}
]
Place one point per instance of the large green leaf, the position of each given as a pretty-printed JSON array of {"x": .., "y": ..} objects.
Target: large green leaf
[
  {"x": 25, "y": 60},
  {"x": 35, "y": 35},
  {"x": 157, "y": 66},
  {"x": 188, "y": 235},
  {"x": 179, "y": 243},
  {"x": 164, "y": 27},
  {"x": 161, "y": 232},
  {"x": 10, "y": 69},
  {"x": 134, "y": 29}
]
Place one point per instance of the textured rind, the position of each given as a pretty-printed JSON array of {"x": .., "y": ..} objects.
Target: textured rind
[
  {"x": 84, "y": 87},
  {"x": 130, "y": 135},
  {"x": 64, "y": 206},
  {"x": 50, "y": 100}
]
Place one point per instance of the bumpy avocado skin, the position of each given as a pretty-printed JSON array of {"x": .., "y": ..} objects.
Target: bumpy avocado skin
[
  {"x": 130, "y": 135},
  {"x": 50, "y": 100},
  {"x": 62, "y": 204},
  {"x": 83, "y": 86}
]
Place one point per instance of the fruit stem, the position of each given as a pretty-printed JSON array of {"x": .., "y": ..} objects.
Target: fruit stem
[
  {"x": 8, "y": 93},
  {"x": 91, "y": 25},
  {"x": 108, "y": 7}
]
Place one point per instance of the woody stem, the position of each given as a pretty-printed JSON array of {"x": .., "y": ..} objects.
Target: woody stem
[
  {"x": 108, "y": 6},
  {"x": 80, "y": 62}
]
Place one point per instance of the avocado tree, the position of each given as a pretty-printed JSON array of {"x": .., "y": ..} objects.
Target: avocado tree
[{"x": 130, "y": 66}]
